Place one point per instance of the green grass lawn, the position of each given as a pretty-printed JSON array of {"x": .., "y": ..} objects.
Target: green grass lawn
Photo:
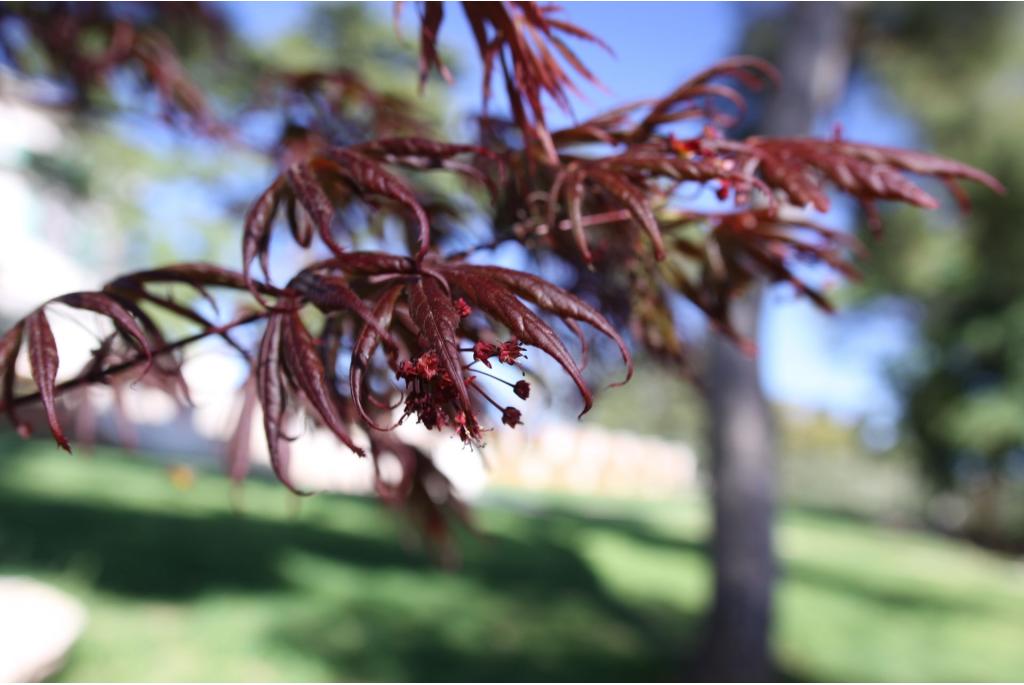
[{"x": 179, "y": 587}]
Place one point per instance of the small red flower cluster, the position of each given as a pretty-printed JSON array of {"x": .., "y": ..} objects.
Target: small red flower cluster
[
  {"x": 433, "y": 397},
  {"x": 507, "y": 352}
]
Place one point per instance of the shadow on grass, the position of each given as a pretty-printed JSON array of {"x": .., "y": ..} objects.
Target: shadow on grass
[
  {"x": 904, "y": 598},
  {"x": 522, "y": 608},
  {"x": 504, "y": 648},
  {"x": 166, "y": 556},
  {"x": 525, "y": 605}
]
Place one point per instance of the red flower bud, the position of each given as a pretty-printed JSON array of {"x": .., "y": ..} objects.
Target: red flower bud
[
  {"x": 522, "y": 389},
  {"x": 510, "y": 416},
  {"x": 509, "y": 351},
  {"x": 483, "y": 351},
  {"x": 723, "y": 191},
  {"x": 428, "y": 365},
  {"x": 406, "y": 370}
]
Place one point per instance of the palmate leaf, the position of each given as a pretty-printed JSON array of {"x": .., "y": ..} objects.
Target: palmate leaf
[
  {"x": 291, "y": 369},
  {"x": 521, "y": 38},
  {"x": 137, "y": 342},
  {"x": 698, "y": 96},
  {"x": 502, "y": 305},
  {"x": 102, "y": 303},
  {"x": 628, "y": 188},
  {"x": 198, "y": 275},
  {"x": 315, "y": 188},
  {"x": 422, "y": 153},
  {"x": 270, "y": 390},
  {"x": 418, "y": 311},
  {"x": 496, "y": 290},
  {"x": 639, "y": 173},
  {"x": 742, "y": 247},
  {"x": 550, "y": 298},
  {"x": 633, "y": 198},
  {"x": 238, "y": 448},
  {"x": 799, "y": 166},
  {"x": 132, "y": 290},
  {"x": 35, "y": 334},
  {"x": 779, "y": 171},
  {"x": 308, "y": 193},
  {"x": 332, "y": 294},
  {"x": 421, "y": 492}
]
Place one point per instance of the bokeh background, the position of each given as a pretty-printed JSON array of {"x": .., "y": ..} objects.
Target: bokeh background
[{"x": 900, "y": 530}]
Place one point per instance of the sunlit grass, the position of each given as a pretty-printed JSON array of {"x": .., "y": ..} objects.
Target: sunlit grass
[{"x": 181, "y": 587}]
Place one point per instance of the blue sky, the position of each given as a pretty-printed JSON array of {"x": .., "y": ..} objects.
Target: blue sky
[{"x": 809, "y": 359}]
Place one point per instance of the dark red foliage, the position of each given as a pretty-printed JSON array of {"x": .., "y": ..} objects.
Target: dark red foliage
[
  {"x": 522, "y": 39},
  {"x": 610, "y": 196},
  {"x": 623, "y": 181},
  {"x": 66, "y": 35},
  {"x": 35, "y": 333},
  {"x": 328, "y": 179},
  {"x": 421, "y": 308}
]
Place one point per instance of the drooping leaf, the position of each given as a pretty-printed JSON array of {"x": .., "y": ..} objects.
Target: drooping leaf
[
  {"x": 167, "y": 365},
  {"x": 421, "y": 153},
  {"x": 131, "y": 288},
  {"x": 271, "y": 392},
  {"x": 370, "y": 177},
  {"x": 635, "y": 200},
  {"x": 196, "y": 274},
  {"x": 256, "y": 233},
  {"x": 550, "y": 298},
  {"x": 332, "y": 294},
  {"x": 367, "y": 264},
  {"x": 516, "y": 36},
  {"x": 502, "y": 305},
  {"x": 81, "y": 49},
  {"x": 306, "y": 369},
  {"x": 109, "y": 307},
  {"x": 433, "y": 15},
  {"x": 314, "y": 200},
  {"x": 438, "y": 320},
  {"x": 300, "y": 223},
  {"x": 366, "y": 344},
  {"x": 43, "y": 359},
  {"x": 866, "y": 172}
]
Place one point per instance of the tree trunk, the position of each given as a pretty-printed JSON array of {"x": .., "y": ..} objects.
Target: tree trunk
[
  {"x": 813, "y": 55},
  {"x": 743, "y": 491}
]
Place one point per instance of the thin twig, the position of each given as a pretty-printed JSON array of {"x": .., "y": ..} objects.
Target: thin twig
[{"x": 102, "y": 374}]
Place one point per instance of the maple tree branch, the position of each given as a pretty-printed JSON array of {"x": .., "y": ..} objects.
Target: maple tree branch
[{"x": 102, "y": 374}]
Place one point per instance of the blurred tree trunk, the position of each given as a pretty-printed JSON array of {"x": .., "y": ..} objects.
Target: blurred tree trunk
[{"x": 813, "y": 54}]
